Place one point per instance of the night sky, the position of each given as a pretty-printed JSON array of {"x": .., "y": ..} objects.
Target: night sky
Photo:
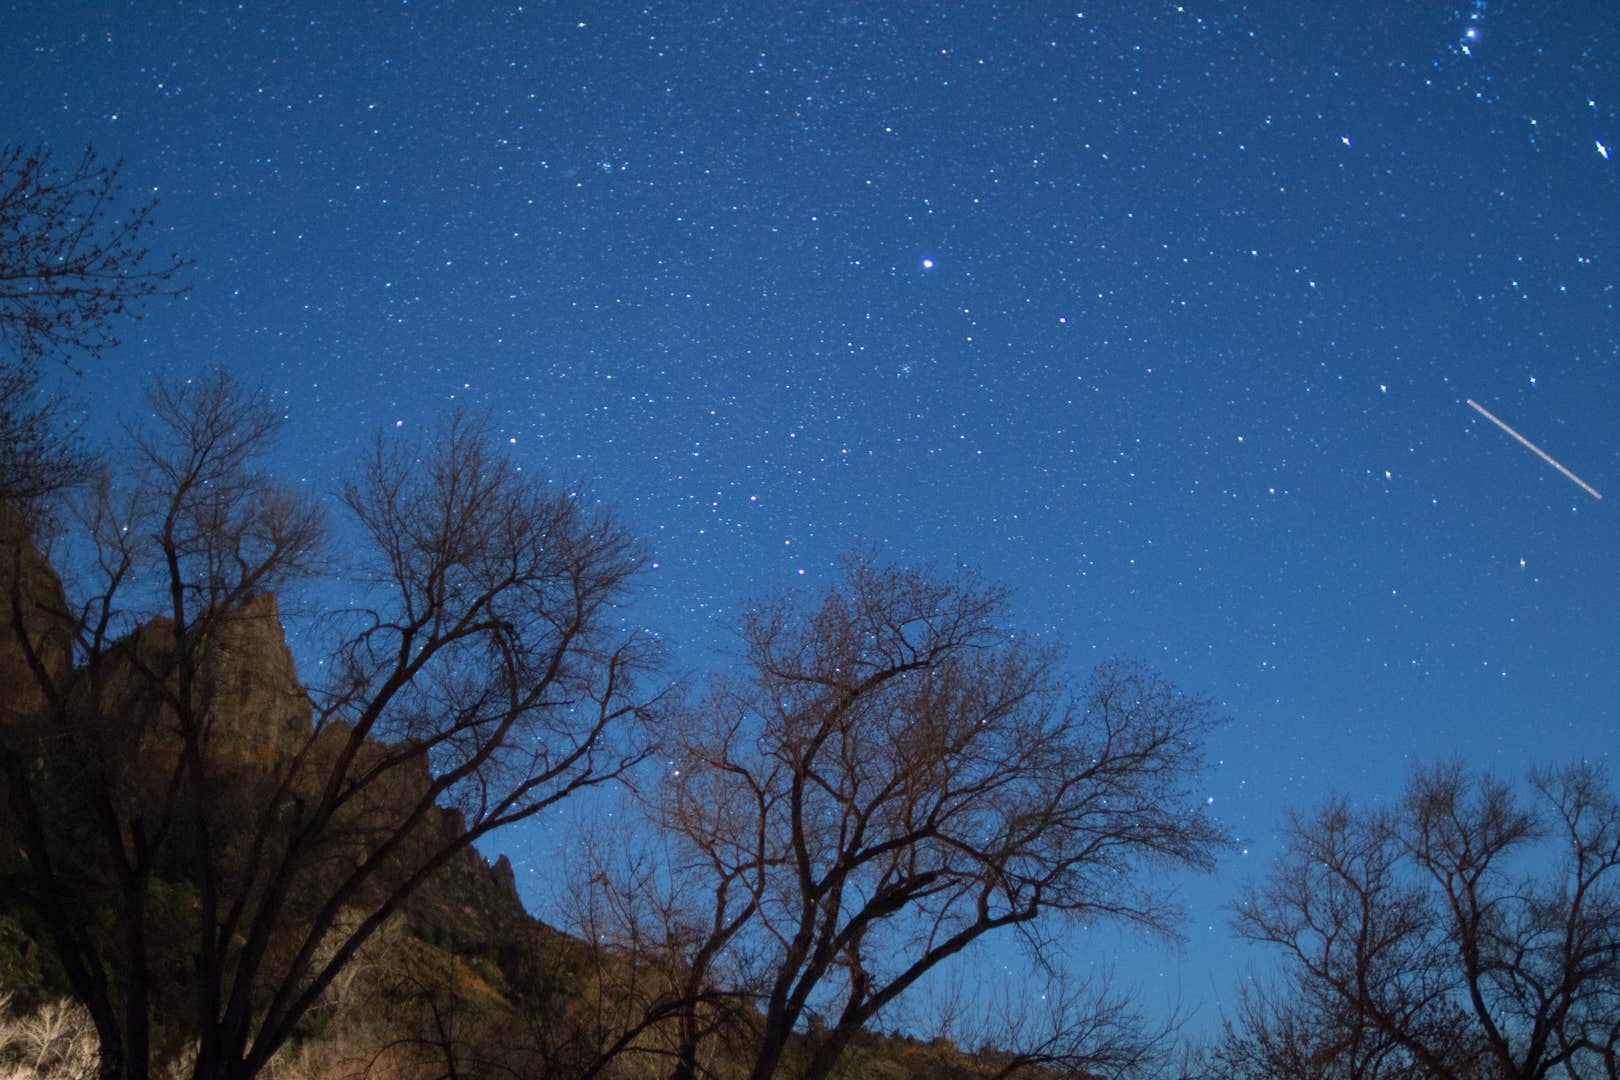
[{"x": 1165, "y": 315}]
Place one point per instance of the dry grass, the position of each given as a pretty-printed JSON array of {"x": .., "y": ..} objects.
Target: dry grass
[{"x": 55, "y": 1042}]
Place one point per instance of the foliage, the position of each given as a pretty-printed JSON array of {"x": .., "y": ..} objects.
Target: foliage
[{"x": 29, "y": 973}]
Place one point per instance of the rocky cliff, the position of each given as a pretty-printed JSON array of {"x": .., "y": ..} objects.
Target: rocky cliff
[
  {"x": 30, "y": 592},
  {"x": 257, "y": 717}
]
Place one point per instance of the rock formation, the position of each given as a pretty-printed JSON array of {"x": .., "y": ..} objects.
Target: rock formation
[{"x": 256, "y": 718}]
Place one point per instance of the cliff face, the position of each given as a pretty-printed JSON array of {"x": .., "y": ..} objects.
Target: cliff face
[
  {"x": 256, "y": 719},
  {"x": 29, "y": 591},
  {"x": 254, "y": 714}
]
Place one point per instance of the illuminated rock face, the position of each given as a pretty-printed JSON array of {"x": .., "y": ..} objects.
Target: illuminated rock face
[
  {"x": 255, "y": 717},
  {"x": 253, "y": 713},
  {"x": 257, "y": 714},
  {"x": 27, "y": 580}
]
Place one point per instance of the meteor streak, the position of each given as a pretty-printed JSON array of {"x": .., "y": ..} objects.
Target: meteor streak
[{"x": 1533, "y": 448}]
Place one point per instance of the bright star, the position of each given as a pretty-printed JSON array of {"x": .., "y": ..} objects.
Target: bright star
[
  {"x": 1604, "y": 150},
  {"x": 928, "y": 264}
]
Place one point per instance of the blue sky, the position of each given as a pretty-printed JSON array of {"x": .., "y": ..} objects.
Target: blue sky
[{"x": 1164, "y": 315}]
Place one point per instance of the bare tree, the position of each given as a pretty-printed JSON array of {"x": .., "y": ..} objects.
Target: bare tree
[
  {"x": 640, "y": 990},
  {"x": 894, "y": 776},
  {"x": 1055, "y": 1025},
  {"x": 1461, "y": 934},
  {"x": 39, "y": 451},
  {"x": 74, "y": 261},
  {"x": 1284, "y": 1031},
  {"x": 483, "y": 682}
]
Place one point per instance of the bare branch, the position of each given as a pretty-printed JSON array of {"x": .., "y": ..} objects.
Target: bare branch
[
  {"x": 487, "y": 682},
  {"x": 73, "y": 260},
  {"x": 1411, "y": 941},
  {"x": 894, "y": 776}
]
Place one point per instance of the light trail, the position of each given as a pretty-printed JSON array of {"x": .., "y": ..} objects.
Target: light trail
[{"x": 1534, "y": 449}]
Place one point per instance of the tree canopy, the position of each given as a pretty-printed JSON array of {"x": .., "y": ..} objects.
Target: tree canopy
[{"x": 1470, "y": 930}]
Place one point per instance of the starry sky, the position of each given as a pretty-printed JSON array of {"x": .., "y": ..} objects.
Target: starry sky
[{"x": 1166, "y": 315}]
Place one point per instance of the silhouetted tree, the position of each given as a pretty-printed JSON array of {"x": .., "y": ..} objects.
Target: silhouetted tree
[
  {"x": 1463, "y": 933},
  {"x": 1287, "y": 1031},
  {"x": 73, "y": 261},
  {"x": 484, "y": 673},
  {"x": 1058, "y": 1025},
  {"x": 638, "y": 983},
  {"x": 891, "y": 777},
  {"x": 39, "y": 454}
]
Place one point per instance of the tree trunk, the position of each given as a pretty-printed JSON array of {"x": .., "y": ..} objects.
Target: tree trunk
[
  {"x": 137, "y": 1049},
  {"x": 828, "y": 1051},
  {"x": 773, "y": 1040}
]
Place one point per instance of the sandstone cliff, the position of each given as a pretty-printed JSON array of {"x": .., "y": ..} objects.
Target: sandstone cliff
[
  {"x": 257, "y": 717},
  {"x": 30, "y": 590}
]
